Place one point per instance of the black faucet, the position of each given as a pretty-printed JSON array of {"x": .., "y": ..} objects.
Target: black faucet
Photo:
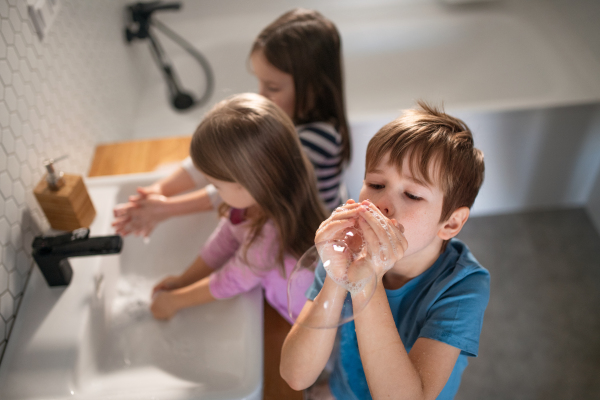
[{"x": 51, "y": 252}]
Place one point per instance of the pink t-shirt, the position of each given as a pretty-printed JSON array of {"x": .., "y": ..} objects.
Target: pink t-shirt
[{"x": 224, "y": 252}]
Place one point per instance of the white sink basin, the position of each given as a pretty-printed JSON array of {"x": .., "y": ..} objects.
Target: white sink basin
[{"x": 96, "y": 338}]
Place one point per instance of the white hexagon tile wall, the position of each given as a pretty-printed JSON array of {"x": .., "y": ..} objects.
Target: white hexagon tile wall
[{"x": 61, "y": 95}]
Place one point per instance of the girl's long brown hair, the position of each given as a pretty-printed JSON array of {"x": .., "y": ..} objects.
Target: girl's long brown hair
[
  {"x": 249, "y": 140},
  {"x": 306, "y": 45}
]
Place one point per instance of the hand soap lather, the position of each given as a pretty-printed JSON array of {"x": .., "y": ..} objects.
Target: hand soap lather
[{"x": 64, "y": 199}]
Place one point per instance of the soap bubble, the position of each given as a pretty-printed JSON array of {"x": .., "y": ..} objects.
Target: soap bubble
[{"x": 353, "y": 281}]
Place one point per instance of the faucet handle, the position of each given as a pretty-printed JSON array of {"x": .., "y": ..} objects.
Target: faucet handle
[
  {"x": 81, "y": 233},
  {"x": 48, "y": 242}
]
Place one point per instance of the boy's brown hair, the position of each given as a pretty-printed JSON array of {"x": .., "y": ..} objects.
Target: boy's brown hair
[
  {"x": 426, "y": 134},
  {"x": 306, "y": 45},
  {"x": 248, "y": 139}
]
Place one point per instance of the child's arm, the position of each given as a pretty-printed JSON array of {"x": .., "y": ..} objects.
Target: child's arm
[
  {"x": 390, "y": 371},
  {"x": 198, "y": 270},
  {"x": 166, "y": 304},
  {"x": 176, "y": 292},
  {"x": 141, "y": 215},
  {"x": 306, "y": 350},
  {"x": 155, "y": 203},
  {"x": 178, "y": 182}
]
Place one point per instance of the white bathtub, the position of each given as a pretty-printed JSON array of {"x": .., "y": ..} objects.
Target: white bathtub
[{"x": 520, "y": 73}]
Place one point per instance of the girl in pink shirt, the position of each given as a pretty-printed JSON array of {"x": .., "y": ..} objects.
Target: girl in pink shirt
[{"x": 247, "y": 147}]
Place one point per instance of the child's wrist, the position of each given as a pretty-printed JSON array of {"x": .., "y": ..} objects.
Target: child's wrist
[
  {"x": 155, "y": 188},
  {"x": 165, "y": 208},
  {"x": 175, "y": 300}
]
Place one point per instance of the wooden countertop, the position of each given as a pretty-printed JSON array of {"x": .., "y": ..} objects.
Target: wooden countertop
[{"x": 148, "y": 155}]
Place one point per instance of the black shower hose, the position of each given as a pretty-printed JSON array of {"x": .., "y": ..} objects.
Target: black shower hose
[{"x": 210, "y": 82}]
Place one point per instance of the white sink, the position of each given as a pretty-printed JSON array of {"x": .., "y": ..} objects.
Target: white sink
[{"x": 96, "y": 339}]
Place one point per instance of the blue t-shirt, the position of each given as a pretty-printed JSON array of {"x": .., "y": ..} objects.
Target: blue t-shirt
[{"x": 444, "y": 303}]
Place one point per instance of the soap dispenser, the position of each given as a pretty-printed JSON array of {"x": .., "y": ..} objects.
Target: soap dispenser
[{"x": 64, "y": 199}]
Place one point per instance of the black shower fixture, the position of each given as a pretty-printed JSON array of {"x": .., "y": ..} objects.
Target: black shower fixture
[{"x": 140, "y": 25}]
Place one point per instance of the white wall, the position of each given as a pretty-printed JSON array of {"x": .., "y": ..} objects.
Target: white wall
[
  {"x": 59, "y": 96},
  {"x": 536, "y": 158}
]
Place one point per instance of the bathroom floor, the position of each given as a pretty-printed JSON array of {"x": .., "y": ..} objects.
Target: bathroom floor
[{"x": 541, "y": 332}]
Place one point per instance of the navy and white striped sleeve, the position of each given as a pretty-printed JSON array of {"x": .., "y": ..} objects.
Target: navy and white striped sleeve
[{"x": 322, "y": 144}]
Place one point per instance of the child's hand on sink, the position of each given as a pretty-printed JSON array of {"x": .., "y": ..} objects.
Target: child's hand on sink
[
  {"x": 163, "y": 302},
  {"x": 163, "y": 305},
  {"x": 168, "y": 283}
]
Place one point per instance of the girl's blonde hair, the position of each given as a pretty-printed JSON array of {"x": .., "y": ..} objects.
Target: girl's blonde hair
[
  {"x": 249, "y": 140},
  {"x": 306, "y": 45}
]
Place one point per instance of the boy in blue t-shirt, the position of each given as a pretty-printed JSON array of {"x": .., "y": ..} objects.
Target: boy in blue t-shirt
[{"x": 412, "y": 339}]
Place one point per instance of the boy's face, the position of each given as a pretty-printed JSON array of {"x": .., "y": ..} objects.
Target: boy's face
[{"x": 415, "y": 204}]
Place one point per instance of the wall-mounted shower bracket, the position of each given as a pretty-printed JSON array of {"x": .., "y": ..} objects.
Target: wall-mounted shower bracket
[{"x": 42, "y": 14}]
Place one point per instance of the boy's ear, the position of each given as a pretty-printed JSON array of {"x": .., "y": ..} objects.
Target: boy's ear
[{"x": 454, "y": 224}]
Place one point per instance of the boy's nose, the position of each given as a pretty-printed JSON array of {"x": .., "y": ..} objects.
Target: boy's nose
[{"x": 385, "y": 207}]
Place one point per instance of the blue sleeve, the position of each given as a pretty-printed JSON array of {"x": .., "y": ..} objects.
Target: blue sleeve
[
  {"x": 456, "y": 317},
  {"x": 317, "y": 284}
]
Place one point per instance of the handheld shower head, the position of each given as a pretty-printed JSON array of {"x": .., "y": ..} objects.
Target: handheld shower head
[
  {"x": 141, "y": 14},
  {"x": 182, "y": 101}
]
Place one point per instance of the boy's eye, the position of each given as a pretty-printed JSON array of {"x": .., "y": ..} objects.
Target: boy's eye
[
  {"x": 273, "y": 89},
  {"x": 412, "y": 196}
]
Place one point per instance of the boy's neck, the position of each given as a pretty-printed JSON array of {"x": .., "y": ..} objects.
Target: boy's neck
[{"x": 412, "y": 266}]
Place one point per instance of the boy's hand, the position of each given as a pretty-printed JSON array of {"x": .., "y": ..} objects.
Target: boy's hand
[
  {"x": 341, "y": 245},
  {"x": 343, "y": 217},
  {"x": 384, "y": 238},
  {"x": 163, "y": 305}
]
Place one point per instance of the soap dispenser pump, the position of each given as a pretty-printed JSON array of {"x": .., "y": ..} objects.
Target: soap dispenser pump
[
  {"x": 64, "y": 199},
  {"x": 55, "y": 180}
]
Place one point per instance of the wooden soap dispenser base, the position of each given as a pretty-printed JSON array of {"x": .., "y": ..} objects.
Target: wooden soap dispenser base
[{"x": 64, "y": 199}]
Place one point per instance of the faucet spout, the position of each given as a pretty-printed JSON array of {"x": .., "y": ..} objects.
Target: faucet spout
[{"x": 51, "y": 253}]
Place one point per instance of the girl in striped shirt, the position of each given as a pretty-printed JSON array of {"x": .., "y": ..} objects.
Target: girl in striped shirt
[{"x": 297, "y": 61}]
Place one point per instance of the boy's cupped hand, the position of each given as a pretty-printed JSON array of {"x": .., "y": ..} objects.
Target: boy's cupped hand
[{"x": 384, "y": 241}]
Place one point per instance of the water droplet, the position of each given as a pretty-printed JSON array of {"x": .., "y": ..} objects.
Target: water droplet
[{"x": 382, "y": 255}]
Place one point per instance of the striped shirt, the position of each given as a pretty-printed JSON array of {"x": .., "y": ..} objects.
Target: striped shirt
[{"x": 322, "y": 144}]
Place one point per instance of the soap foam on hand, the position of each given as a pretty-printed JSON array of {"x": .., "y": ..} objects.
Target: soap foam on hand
[
  {"x": 381, "y": 259},
  {"x": 134, "y": 337},
  {"x": 132, "y": 300},
  {"x": 345, "y": 259}
]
